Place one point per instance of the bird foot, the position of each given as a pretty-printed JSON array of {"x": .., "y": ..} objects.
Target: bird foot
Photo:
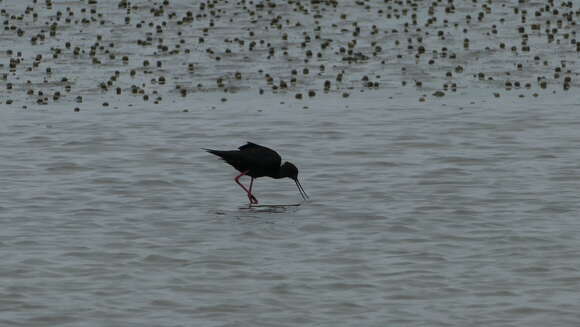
[{"x": 252, "y": 199}]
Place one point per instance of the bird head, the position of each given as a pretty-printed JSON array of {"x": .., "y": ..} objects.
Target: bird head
[{"x": 290, "y": 171}]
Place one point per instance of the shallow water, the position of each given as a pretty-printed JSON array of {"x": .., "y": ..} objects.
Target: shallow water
[
  {"x": 454, "y": 211},
  {"x": 418, "y": 217}
]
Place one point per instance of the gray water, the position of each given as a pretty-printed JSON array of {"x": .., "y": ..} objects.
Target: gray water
[
  {"x": 418, "y": 217},
  {"x": 459, "y": 210}
]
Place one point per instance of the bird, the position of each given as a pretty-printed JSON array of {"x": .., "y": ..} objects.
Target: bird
[{"x": 258, "y": 161}]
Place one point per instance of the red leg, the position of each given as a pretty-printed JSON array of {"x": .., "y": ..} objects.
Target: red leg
[
  {"x": 237, "y": 179},
  {"x": 252, "y": 198}
]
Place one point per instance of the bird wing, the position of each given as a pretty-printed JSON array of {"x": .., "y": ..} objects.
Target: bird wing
[
  {"x": 261, "y": 160},
  {"x": 250, "y": 145},
  {"x": 234, "y": 158},
  {"x": 260, "y": 156}
]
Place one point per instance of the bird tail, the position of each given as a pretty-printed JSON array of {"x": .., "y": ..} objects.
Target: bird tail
[
  {"x": 215, "y": 152},
  {"x": 227, "y": 156}
]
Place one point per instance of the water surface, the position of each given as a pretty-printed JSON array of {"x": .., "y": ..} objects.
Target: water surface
[{"x": 425, "y": 210}]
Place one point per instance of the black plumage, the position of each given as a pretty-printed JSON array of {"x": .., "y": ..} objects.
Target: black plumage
[{"x": 257, "y": 161}]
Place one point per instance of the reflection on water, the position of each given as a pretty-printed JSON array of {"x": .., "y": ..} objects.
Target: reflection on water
[
  {"x": 274, "y": 208},
  {"x": 436, "y": 212},
  {"x": 472, "y": 211}
]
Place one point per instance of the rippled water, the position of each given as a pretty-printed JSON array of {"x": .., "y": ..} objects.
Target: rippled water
[
  {"x": 459, "y": 210},
  {"x": 419, "y": 216}
]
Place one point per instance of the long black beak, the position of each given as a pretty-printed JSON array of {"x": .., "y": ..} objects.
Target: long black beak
[{"x": 302, "y": 192}]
